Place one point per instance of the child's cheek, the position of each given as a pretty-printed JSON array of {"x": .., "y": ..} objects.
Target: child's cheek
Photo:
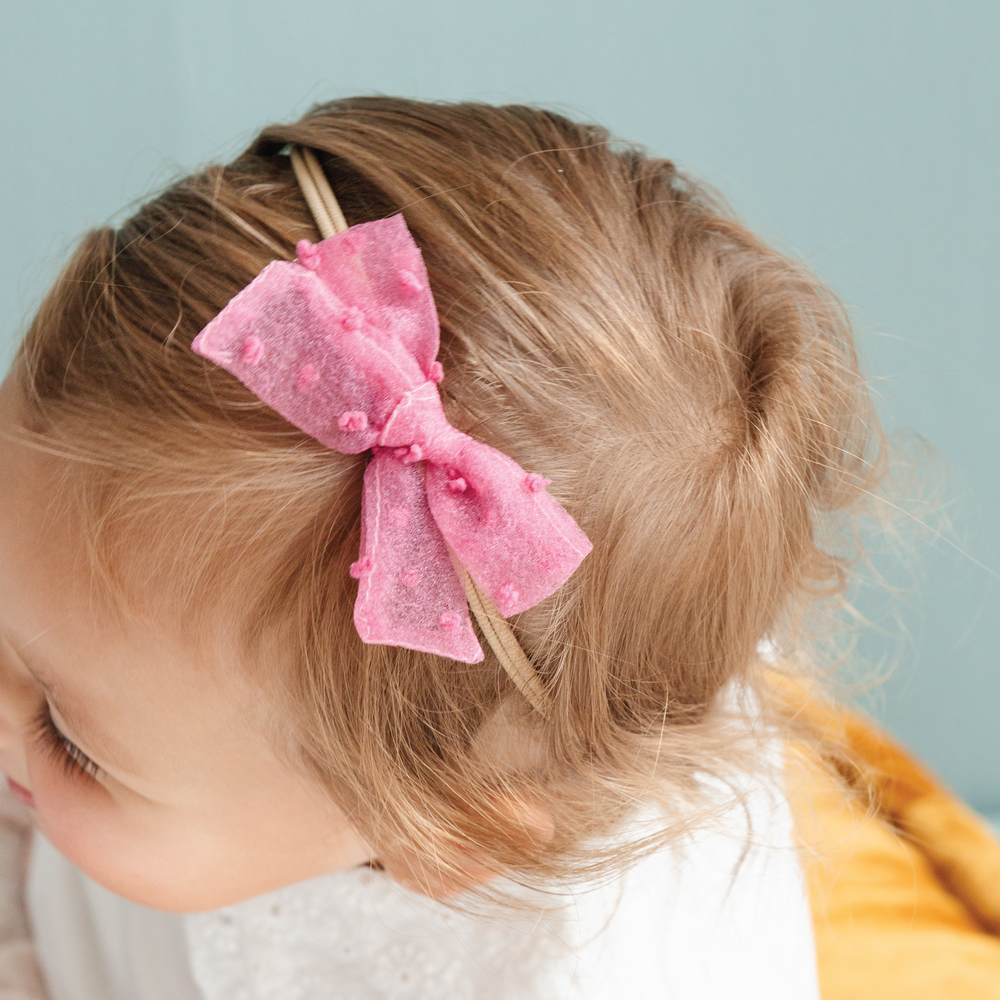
[
  {"x": 78, "y": 816},
  {"x": 123, "y": 846}
]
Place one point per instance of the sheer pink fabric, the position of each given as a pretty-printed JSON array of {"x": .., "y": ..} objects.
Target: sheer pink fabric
[{"x": 343, "y": 344}]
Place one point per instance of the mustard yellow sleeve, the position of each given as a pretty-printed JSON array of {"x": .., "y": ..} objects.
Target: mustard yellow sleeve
[{"x": 904, "y": 880}]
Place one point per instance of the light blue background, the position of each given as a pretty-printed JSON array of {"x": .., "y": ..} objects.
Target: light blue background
[{"x": 861, "y": 135}]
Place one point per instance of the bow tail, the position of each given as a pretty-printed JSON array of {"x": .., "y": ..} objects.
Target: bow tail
[
  {"x": 408, "y": 592},
  {"x": 518, "y": 544}
]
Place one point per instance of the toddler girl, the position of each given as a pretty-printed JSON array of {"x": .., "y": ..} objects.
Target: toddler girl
[{"x": 650, "y": 422}]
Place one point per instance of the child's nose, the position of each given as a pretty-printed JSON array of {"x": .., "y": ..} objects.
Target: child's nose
[
  {"x": 20, "y": 699},
  {"x": 11, "y": 729},
  {"x": 18, "y": 706},
  {"x": 12, "y": 722}
]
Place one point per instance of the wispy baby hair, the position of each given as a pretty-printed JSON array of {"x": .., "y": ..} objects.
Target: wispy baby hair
[{"x": 693, "y": 395}]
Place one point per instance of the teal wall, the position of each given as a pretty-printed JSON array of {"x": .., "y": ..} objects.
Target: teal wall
[{"x": 861, "y": 135}]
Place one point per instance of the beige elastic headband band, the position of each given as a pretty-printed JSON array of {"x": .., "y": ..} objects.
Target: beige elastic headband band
[{"x": 330, "y": 220}]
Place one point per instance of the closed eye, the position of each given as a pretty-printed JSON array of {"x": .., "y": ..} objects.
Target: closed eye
[{"x": 48, "y": 735}]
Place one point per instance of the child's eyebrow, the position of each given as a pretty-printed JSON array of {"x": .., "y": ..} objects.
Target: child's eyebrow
[
  {"x": 83, "y": 732},
  {"x": 87, "y": 737}
]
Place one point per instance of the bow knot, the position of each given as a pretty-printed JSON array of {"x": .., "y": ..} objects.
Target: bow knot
[
  {"x": 418, "y": 430},
  {"x": 343, "y": 344}
]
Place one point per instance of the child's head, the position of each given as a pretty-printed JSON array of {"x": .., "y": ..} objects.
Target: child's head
[{"x": 175, "y": 555}]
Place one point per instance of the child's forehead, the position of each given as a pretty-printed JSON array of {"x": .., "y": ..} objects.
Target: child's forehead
[
  {"x": 26, "y": 489},
  {"x": 40, "y": 539},
  {"x": 50, "y": 604}
]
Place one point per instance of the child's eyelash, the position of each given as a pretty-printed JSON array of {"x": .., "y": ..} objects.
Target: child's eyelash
[{"x": 69, "y": 754}]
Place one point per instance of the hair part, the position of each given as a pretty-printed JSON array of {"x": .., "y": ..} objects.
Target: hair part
[{"x": 693, "y": 395}]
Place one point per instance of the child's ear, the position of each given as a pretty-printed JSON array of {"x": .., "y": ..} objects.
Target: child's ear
[{"x": 425, "y": 877}]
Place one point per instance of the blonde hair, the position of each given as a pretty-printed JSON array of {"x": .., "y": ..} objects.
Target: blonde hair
[{"x": 693, "y": 395}]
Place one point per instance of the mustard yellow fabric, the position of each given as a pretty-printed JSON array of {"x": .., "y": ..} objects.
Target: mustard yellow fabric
[{"x": 904, "y": 880}]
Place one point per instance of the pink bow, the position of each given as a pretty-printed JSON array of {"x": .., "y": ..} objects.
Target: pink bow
[{"x": 342, "y": 343}]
